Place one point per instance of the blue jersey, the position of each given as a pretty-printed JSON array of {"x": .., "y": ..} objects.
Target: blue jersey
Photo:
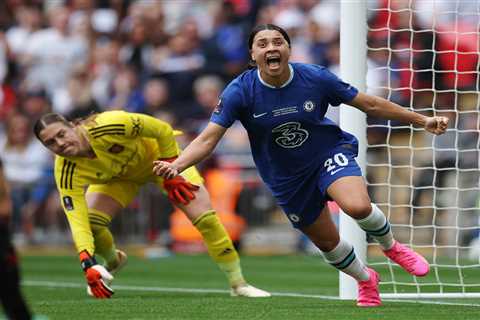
[{"x": 287, "y": 128}]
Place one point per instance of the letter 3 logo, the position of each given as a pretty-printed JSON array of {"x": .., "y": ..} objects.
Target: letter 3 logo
[{"x": 290, "y": 135}]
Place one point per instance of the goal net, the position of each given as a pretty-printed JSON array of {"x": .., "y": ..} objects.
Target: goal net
[{"x": 424, "y": 55}]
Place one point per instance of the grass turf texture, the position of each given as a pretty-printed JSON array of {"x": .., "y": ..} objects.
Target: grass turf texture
[{"x": 152, "y": 289}]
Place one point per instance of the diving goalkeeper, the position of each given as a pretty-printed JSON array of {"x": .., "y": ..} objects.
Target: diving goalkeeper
[{"x": 100, "y": 164}]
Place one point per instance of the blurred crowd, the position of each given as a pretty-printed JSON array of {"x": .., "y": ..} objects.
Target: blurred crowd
[{"x": 172, "y": 58}]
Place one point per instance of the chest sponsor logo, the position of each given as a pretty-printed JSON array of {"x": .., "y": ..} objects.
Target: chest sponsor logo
[
  {"x": 290, "y": 135},
  {"x": 255, "y": 115},
  {"x": 308, "y": 106},
  {"x": 68, "y": 203},
  {"x": 116, "y": 148}
]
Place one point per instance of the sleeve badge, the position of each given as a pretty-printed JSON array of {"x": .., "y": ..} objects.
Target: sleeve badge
[{"x": 68, "y": 203}]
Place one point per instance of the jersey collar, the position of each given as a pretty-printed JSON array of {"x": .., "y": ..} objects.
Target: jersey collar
[{"x": 283, "y": 85}]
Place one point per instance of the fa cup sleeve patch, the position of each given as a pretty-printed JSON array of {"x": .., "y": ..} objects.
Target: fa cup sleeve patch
[
  {"x": 68, "y": 203},
  {"x": 218, "y": 107}
]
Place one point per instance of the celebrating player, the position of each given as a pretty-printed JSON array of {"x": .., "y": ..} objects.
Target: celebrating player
[
  {"x": 10, "y": 296},
  {"x": 303, "y": 157},
  {"x": 101, "y": 162}
]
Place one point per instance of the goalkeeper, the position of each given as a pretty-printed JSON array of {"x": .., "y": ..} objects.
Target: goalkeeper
[{"x": 100, "y": 165}]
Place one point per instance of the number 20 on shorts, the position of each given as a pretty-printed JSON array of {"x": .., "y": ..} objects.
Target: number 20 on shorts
[{"x": 338, "y": 160}]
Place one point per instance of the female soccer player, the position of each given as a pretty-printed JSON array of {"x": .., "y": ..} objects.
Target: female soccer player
[
  {"x": 303, "y": 157},
  {"x": 101, "y": 163}
]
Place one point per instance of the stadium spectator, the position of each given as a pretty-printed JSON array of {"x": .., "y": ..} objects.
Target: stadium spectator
[
  {"x": 206, "y": 90},
  {"x": 29, "y": 20},
  {"x": 104, "y": 68},
  {"x": 224, "y": 53},
  {"x": 101, "y": 163},
  {"x": 179, "y": 62},
  {"x": 293, "y": 21},
  {"x": 24, "y": 160},
  {"x": 3, "y": 57},
  {"x": 52, "y": 53},
  {"x": 42, "y": 212},
  {"x": 305, "y": 158},
  {"x": 412, "y": 58},
  {"x": 79, "y": 95},
  {"x": 137, "y": 48},
  {"x": 11, "y": 298},
  {"x": 157, "y": 96},
  {"x": 34, "y": 102},
  {"x": 8, "y": 96},
  {"x": 126, "y": 91}
]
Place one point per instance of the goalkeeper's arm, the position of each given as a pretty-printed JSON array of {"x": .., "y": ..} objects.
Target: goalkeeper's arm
[{"x": 97, "y": 277}]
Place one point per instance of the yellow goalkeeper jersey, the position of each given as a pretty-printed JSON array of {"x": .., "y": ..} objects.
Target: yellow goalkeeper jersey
[{"x": 125, "y": 145}]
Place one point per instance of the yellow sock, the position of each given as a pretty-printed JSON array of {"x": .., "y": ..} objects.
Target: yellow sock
[
  {"x": 220, "y": 246},
  {"x": 104, "y": 244}
]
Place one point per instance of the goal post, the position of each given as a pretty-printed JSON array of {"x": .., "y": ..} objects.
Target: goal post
[
  {"x": 423, "y": 55},
  {"x": 353, "y": 67}
]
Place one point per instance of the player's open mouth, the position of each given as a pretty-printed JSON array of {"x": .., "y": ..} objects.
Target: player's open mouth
[{"x": 273, "y": 62}]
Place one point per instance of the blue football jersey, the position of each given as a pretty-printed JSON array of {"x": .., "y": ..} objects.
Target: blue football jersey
[{"x": 287, "y": 128}]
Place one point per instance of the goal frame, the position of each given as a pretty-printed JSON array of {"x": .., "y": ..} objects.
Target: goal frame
[{"x": 353, "y": 69}]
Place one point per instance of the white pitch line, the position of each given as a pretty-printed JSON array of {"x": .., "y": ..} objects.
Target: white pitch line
[{"x": 53, "y": 284}]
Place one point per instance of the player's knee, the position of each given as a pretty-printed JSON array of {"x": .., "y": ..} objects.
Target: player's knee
[
  {"x": 358, "y": 210},
  {"x": 199, "y": 205},
  {"x": 202, "y": 196},
  {"x": 326, "y": 246}
]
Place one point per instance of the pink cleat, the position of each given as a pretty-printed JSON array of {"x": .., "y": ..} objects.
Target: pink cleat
[
  {"x": 408, "y": 259},
  {"x": 368, "y": 295}
]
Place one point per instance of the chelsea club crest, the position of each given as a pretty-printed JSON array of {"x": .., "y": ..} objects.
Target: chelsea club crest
[{"x": 308, "y": 106}]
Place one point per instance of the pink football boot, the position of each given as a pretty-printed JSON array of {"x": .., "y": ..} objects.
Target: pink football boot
[
  {"x": 408, "y": 259},
  {"x": 368, "y": 295}
]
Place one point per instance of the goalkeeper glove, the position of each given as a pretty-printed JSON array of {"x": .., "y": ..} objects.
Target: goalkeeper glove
[
  {"x": 180, "y": 190},
  {"x": 98, "y": 278}
]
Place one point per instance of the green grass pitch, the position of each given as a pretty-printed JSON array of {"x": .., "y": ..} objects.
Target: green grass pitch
[{"x": 191, "y": 287}]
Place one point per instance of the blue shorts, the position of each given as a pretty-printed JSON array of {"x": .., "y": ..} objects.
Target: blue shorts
[{"x": 304, "y": 207}]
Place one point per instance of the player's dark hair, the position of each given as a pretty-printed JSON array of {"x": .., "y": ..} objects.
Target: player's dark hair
[
  {"x": 46, "y": 120},
  {"x": 261, "y": 27},
  {"x": 267, "y": 26}
]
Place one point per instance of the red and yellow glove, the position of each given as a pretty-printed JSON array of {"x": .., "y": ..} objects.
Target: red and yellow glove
[
  {"x": 180, "y": 190},
  {"x": 98, "y": 278}
]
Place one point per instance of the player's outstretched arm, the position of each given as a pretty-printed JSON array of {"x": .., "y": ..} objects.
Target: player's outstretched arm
[
  {"x": 382, "y": 108},
  {"x": 200, "y": 148}
]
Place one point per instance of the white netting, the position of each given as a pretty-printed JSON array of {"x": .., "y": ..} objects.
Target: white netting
[{"x": 424, "y": 54}]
